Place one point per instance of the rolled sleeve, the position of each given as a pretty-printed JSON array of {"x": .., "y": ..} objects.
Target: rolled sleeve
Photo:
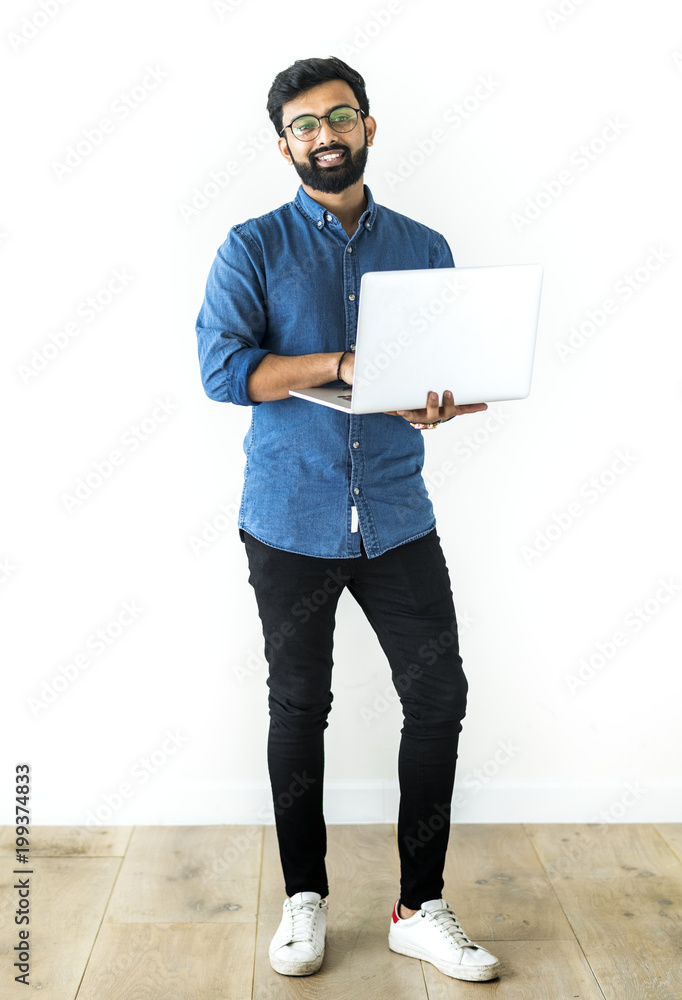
[
  {"x": 232, "y": 320},
  {"x": 441, "y": 255}
]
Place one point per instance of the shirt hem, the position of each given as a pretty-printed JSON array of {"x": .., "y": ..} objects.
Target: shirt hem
[{"x": 245, "y": 531}]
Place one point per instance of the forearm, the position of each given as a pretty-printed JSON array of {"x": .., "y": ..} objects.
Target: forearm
[{"x": 276, "y": 374}]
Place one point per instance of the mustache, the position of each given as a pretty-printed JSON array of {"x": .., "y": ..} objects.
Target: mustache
[{"x": 330, "y": 149}]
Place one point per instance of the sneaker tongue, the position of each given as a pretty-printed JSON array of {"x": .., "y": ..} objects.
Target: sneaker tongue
[
  {"x": 434, "y": 904},
  {"x": 306, "y": 897}
]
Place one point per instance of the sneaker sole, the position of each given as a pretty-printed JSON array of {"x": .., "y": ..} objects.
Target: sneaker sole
[
  {"x": 470, "y": 973},
  {"x": 296, "y": 968}
]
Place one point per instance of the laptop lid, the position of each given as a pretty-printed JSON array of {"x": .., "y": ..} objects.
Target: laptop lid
[{"x": 469, "y": 329}]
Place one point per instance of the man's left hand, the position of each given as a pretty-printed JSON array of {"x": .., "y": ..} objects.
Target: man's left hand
[{"x": 432, "y": 413}]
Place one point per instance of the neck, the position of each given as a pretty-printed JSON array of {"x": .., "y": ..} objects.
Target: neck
[{"x": 347, "y": 206}]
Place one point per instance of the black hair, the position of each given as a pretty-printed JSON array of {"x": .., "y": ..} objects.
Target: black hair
[{"x": 305, "y": 74}]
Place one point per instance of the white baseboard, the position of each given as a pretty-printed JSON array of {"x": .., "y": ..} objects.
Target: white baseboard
[{"x": 378, "y": 801}]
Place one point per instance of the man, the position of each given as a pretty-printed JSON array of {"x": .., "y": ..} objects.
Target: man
[{"x": 334, "y": 500}]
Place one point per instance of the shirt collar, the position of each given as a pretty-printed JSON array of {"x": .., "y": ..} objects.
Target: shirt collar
[{"x": 318, "y": 215}]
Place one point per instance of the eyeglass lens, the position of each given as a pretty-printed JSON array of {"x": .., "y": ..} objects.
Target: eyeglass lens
[{"x": 341, "y": 120}]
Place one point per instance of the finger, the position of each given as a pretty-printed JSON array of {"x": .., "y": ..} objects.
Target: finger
[
  {"x": 432, "y": 407},
  {"x": 448, "y": 409},
  {"x": 412, "y": 414},
  {"x": 471, "y": 407}
]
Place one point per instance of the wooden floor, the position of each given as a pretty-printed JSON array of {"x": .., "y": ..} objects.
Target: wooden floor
[{"x": 187, "y": 913}]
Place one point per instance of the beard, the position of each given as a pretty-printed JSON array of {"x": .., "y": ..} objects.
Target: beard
[{"x": 333, "y": 180}]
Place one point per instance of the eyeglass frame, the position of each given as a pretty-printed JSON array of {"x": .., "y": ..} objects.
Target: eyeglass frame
[{"x": 358, "y": 111}]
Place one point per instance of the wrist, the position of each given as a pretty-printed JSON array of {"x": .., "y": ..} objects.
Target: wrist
[{"x": 340, "y": 362}]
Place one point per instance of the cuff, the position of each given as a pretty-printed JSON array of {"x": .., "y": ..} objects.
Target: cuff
[{"x": 240, "y": 365}]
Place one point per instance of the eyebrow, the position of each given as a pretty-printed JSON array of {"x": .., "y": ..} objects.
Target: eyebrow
[{"x": 344, "y": 104}]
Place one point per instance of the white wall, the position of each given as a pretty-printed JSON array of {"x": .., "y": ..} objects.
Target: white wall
[{"x": 541, "y": 741}]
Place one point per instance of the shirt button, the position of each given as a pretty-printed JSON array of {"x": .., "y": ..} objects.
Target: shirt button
[
  {"x": 367, "y": 225},
  {"x": 352, "y": 347},
  {"x": 349, "y": 249},
  {"x": 351, "y": 297},
  {"x": 320, "y": 223},
  {"x": 356, "y": 491},
  {"x": 356, "y": 444},
  {"x": 329, "y": 218}
]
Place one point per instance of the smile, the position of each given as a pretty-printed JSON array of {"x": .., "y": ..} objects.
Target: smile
[{"x": 330, "y": 157}]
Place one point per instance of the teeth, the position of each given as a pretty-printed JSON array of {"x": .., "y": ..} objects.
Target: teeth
[{"x": 330, "y": 156}]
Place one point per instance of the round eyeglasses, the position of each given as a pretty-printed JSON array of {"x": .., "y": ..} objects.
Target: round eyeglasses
[{"x": 341, "y": 119}]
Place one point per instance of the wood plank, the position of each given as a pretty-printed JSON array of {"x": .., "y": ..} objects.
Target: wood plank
[
  {"x": 621, "y": 890},
  {"x": 600, "y": 849},
  {"x": 68, "y": 898},
  {"x": 529, "y": 970},
  {"x": 362, "y": 865},
  {"x": 497, "y": 886},
  {"x": 620, "y": 886},
  {"x": 630, "y": 930},
  {"x": 213, "y": 961},
  {"x": 672, "y": 834},
  {"x": 69, "y": 841},
  {"x": 182, "y": 874}
]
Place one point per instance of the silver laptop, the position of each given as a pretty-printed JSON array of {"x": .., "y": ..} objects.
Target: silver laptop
[{"x": 468, "y": 329}]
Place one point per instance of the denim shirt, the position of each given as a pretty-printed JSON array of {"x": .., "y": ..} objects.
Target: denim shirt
[{"x": 287, "y": 283}]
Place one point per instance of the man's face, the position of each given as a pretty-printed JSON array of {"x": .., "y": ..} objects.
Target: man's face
[{"x": 327, "y": 176}]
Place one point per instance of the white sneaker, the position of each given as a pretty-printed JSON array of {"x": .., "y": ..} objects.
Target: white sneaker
[
  {"x": 297, "y": 949},
  {"x": 434, "y": 935}
]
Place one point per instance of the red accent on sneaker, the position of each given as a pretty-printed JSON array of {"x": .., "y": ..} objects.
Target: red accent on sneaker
[{"x": 396, "y": 918}]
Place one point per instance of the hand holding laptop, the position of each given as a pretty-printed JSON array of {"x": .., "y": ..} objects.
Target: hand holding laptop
[{"x": 431, "y": 415}]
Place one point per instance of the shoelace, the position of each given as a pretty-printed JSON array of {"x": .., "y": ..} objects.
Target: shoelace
[
  {"x": 301, "y": 926},
  {"x": 447, "y": 922}
]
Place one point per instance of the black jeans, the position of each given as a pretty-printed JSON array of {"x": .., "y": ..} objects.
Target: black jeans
[{"x": 407, "y": 598}]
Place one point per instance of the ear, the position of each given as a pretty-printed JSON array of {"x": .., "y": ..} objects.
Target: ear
[
  {"x": 284, "y": 149},
  {"x": 370, "y": 129}
]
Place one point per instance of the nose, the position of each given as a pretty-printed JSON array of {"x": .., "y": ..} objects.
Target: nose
[{"x": 326, "y": 134}]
